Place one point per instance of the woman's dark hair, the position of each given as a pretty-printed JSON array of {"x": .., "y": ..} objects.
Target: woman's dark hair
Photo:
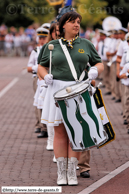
[
  {"x": 52, "y": 28},
  {"x": 69, "y": 16}
]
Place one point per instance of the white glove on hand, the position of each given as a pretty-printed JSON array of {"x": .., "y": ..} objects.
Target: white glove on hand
[
  {"x": 93, "y": 73},
  {"x": 48, "y": 79},
  {"x": 35, "y": 68}
]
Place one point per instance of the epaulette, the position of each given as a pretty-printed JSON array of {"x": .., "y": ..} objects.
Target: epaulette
[{"x": 35, "y": 49}]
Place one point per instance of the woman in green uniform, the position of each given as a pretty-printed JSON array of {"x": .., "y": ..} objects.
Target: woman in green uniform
[{"x": 82, "y": 51}]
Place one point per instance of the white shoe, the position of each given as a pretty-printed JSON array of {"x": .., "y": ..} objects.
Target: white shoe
[
  {"x": 49, "y": 145},
  {"x": 61, "y": 165},
  {"x": 54, "y": 159},
  {"x": 77, "y": 168},
  {"x": 71, "y": 174},
  {"x": 50, "y": 131}
]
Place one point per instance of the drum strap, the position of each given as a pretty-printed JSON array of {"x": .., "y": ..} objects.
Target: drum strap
[{"x": 70, "y": 62}]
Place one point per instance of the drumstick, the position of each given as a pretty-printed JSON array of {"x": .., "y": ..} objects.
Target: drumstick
[
  {"x": 50, "y": 47},
  {"x": 68, "y": 89}
]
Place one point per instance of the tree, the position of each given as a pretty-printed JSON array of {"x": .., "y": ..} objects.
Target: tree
[
  {"x": 41, "y": 11},
  {"x": 25, "y": 12},
  {"x": 92, "y": 12}
]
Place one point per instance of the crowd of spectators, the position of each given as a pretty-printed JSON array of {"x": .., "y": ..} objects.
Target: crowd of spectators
[
  {"x": 17, "y": 42},
  {"x": 20, "y": 42}
]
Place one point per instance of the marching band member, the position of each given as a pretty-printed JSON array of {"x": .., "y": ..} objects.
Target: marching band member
[
  {"x": 83, "y": 164},
  {"x": 39, "y": 103},
  {"x": 32, "y": 68},
  {"x": 50, "y": 130},
  {"x": 69, "y": 26},
  {"x": 124, "y": 76},
  {"x": 102, "y": 48},
  {"x": 111, "y": 54},
  {"x": 123, "y": 46}
]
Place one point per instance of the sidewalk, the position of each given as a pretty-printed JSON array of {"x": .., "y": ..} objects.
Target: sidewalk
[{"x": 24, "y": 160}]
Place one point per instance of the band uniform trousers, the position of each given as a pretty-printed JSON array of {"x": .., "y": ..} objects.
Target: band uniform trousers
[
  {"x": 118, "y": 88},
  {"x": 123, "y": 99},
  {"x": 127, "y": 104},
  {"x": 106, "y": 76},
  {"x": 84, "y": 161},
  {"x": 38, "y": 112},
  {"x": 113, "y": 78}
]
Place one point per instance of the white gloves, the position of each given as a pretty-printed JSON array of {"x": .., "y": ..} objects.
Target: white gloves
[
  {"x": 93, "y": 73},
  {"x": 48, "y": 79},
  {"x": 35, "y": 68}
]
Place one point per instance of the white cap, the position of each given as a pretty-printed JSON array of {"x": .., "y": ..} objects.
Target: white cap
[
  {"x": 42, "y": 32},
  {"x": 46, "y": 25},
  {"x": 123, "y": 29},
  {"x": 102, "y": 32}
]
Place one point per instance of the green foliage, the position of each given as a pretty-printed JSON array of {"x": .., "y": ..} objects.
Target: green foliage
[
  {"x": 92, "y": 12},
  {"x": 41, "y": 11},
  {"x": 25, "y": 12}
]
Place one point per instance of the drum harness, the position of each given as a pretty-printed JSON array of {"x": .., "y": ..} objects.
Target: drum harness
[{"x": 74, "y": 73}]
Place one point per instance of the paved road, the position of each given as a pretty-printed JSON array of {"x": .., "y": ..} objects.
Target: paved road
[
  {"x": 24, "y": 160},
  {"x": 117, "y": 185}
]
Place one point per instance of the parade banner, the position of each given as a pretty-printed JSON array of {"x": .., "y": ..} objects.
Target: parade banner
[{"x": 55, "y": 2}]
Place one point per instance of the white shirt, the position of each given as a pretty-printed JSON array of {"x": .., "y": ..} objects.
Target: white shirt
[
  {"x": 9, "y": 40},
  {"x": 125, "y": 59},
  {"x": 122, "y": 47},
  {"x": 116, "y": 46},
  {"x": 33, "y": 59},
  {"x": 122, "y": 50},
  {"x": 124, "y": 70},
  {"x": 112, "y": 48},
  {"x": 17, "y": 41},
  {"x": 24, "y": 38},
  {"x": 100, "y": 45}
]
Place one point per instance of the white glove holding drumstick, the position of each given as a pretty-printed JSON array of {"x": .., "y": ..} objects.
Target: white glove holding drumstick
[
  {"x": 93, "y": 73},
  {"x": 49, "y": 77}
]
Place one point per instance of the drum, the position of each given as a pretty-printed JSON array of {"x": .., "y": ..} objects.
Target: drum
[{"x": 80, "y": 116}]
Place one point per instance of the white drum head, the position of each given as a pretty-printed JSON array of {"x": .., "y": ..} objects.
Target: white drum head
[{"x": 72, "y": 90}]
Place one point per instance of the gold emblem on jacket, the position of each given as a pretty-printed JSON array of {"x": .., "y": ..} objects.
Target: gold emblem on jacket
[{"x": 81, "y": 51}]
